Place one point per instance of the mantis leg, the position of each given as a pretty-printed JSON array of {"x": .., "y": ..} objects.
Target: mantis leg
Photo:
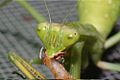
[
  {"x": 109, "y": 66},
  {"x": 75, "y": 60},
  {"x": 35, "y": 61},
  {"x": 25, "y": 67},
  {"x": 112, "y": 41}
]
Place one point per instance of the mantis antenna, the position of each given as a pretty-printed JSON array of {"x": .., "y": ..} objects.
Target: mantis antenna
[
  {"x": 67, "y": 15},
  {"x": 49, "y": 19},
  {"x": 48, "y": 12}
]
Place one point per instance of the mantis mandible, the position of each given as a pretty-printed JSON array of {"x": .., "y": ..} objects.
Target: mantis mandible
[
  {"x": 79, "y": 40},
  {"x": 91, "y": 33}
]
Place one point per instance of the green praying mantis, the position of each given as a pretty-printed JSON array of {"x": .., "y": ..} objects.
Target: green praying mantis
[{"x": 81, "y": 40}]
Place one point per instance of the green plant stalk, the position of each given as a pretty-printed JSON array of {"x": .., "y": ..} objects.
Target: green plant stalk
[
  {"x": 5, "y": 3},
  {"x": 112, "y": 40},
  {"x": 37, "y": 16}
]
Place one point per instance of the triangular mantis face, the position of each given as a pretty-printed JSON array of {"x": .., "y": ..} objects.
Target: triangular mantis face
[{"x": 56, "y": 37}]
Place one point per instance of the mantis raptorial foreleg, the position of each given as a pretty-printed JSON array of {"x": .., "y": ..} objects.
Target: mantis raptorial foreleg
[
  {"x": 25, "y": 67},
  {"x": 100, "y": 14},
  {"x": 75, "y": 58}
]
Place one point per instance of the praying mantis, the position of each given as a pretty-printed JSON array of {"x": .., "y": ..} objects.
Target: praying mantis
[{"x": 81, "y": 40}]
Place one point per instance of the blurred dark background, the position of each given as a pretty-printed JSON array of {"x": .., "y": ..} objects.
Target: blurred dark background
[{"x": 17, "y": 33}]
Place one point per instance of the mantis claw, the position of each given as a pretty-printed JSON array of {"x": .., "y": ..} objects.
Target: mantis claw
[{"x": 41, "y": 53}]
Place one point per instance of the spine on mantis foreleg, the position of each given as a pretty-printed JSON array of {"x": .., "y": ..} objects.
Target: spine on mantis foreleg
[{"x": 100, "y": 13}]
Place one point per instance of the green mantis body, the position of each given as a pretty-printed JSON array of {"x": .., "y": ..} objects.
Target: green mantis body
[
  {"x": 97, "y": 19},
  {"x": 82, "y": 39},
  {"x": 70, "y": 33}
]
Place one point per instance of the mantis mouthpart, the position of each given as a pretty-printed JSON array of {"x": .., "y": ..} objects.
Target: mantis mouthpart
[{"x": 86, "y": 37}]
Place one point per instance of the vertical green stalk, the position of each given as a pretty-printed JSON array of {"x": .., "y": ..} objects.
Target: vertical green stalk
[
  {"x": 39, "y": 18},
  {"x": 75, "y": 64}
]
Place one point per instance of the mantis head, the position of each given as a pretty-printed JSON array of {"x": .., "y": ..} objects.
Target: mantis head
[{"x": 56, "y": 37}]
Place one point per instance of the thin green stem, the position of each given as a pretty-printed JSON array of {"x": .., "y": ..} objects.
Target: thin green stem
[
  {"x": 4, "y": 3},
  {"x": 112, "y": 40},
  {"x": 39, "y": 18}
]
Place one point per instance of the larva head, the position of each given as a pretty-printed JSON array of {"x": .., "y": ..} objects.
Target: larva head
[{"x": 56, "y": 37}]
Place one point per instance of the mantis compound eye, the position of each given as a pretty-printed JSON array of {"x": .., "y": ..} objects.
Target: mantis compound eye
[
  {"x": 38, "y": 29},
  {"x": 44, "y": 28},
  {"x": 70, "y": 36},
  {"x": 75, "y": 33},
  {"x": 41, "y": 28}
]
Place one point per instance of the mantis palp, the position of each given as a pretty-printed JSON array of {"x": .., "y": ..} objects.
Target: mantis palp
[{"x": 83, "y": 38}]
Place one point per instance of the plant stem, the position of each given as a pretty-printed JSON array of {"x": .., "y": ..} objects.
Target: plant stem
[
  {"x": 4, "y": 3},
  {"x": 112, "y": 40},
  {"x": 39, "y": 18},
  {"x": 75, "y": 64}
]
